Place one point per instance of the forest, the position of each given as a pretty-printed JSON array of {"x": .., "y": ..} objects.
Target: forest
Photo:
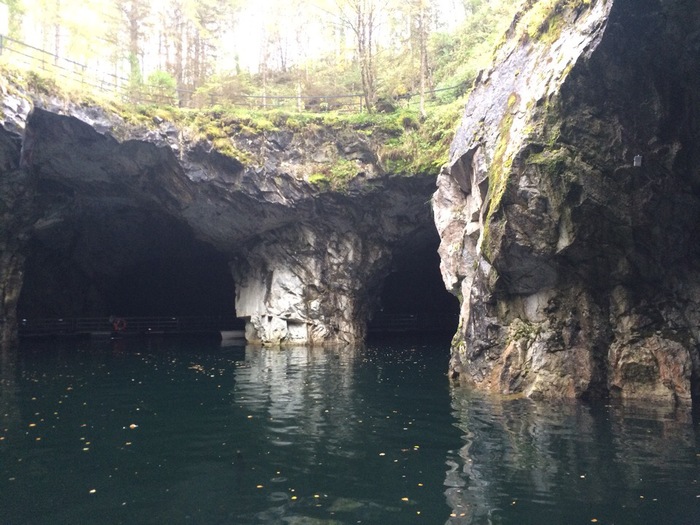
[{"x": 312, "y": 55}]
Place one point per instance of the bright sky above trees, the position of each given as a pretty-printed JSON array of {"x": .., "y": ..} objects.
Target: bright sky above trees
[{"x": 381, "y": 47}]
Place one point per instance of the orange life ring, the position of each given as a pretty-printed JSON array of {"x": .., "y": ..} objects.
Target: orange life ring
[{"x": 119, "y": 324}]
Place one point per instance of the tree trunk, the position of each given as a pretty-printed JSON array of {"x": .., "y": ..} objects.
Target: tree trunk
[{"x": 423, "y": 47}]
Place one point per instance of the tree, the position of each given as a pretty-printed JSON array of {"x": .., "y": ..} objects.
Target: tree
[
  {"x": 362, "y": 17},
  {"x": 421, "y": 14},
  {"x": 189, "y": 39},
  {"x": 134, "y": 15},
  {"x": 14, "y": 14}
]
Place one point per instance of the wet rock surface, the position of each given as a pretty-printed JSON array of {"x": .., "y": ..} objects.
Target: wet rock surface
[{"x": 570, "y": 204}]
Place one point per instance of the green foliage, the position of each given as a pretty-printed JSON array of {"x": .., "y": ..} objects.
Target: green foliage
[
  {"x": 225, "y": 147},
  {"x": 423, "y": 146},
  {"x": 459, "y": 56},
  {"x": 545, "y": 20},
  {"x": 520, "y": 330},
  {"x": 41, "y": 84},
  {"x": 162, "y": 88},
  {"x": 334, "y": 176},
  {"x": 343, "y": 170},
  {"x": 319, "y": 179}
]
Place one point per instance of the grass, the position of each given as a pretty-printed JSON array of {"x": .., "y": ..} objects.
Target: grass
[
  {"x": 406, "y": 143},
  {"x": 423, "y": 144}
]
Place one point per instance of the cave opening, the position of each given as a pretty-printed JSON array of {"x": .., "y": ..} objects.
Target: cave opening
[
  {"x": 124, "y": 262},
  {"x": 413, "y": 299}
]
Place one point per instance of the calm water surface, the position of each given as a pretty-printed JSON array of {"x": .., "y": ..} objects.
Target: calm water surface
[{"x": 165, "y": 431}]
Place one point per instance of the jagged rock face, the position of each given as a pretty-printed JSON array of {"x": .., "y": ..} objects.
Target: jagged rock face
[
  {"x": 577, "y": 269},
  {"x": 11, "y": 232},
  {"x": 307, "y": 261}
]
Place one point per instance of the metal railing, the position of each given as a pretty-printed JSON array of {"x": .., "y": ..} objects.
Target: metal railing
[{"x": 126, "y": 325}]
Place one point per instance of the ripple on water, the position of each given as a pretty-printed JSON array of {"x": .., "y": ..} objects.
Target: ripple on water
[{"x": 375, "y": 435}]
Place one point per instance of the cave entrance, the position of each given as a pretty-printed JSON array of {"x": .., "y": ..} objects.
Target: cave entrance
[
  {"x": 413, "y": 299},
  {"x": 125, "y": 262}
]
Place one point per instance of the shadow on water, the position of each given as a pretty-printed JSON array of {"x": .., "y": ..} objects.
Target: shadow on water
[{"x": 565, "y": 462}]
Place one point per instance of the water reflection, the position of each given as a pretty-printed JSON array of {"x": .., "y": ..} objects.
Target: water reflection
[
  {"x": 565, "y": 462},
  {"x": 301, "y": 392},
  {"x": 175, "y": 432}
]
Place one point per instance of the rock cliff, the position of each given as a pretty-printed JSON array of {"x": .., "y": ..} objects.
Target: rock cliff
[
  {"x": 569, "y": 209},
  {"x": 86, "y": 196}
]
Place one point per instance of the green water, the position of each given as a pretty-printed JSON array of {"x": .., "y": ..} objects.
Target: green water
[{"x": 165, "y": 431}]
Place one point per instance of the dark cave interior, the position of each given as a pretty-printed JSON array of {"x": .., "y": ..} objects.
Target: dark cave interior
[
  {"x": 124, "y": 263},
  {"x": 413, "y": 296},
  {"x": 132, "y": 262}
]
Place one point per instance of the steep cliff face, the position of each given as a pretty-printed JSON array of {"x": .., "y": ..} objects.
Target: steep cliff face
[
  {"x": 570, "y": 205},
  {"x": 307, "y": 258}
]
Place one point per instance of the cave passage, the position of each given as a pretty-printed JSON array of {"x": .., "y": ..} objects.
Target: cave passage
[
  {"x": 413, "y": 299},
  {"x": 196, "y": 285},
  {"x": 128, "y": 261},
  {"x": 131, "y": 262}
]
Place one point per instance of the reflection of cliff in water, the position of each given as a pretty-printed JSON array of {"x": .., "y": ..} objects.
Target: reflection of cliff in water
[{"x": 522, "y": 462}]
